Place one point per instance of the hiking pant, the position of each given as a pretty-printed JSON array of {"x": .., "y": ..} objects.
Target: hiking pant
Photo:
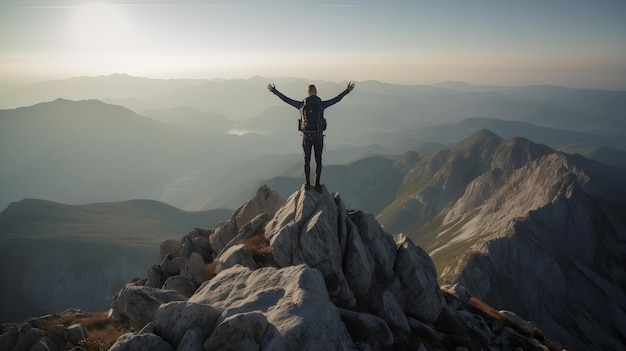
[{"x": 313, "y": 141}]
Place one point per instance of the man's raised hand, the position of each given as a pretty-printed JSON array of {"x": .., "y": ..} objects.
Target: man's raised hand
[
  {"x": 271, "y": 87},
  {"x": 350, "y": 86}
]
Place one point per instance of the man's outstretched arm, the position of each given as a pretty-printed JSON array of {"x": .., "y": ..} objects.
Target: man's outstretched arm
[
  {"x": 290, "y": 101},
  {"x": 338, "y": 98}
]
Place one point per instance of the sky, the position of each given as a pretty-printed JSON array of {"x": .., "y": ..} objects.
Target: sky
[{"x": 570, "y": 43}]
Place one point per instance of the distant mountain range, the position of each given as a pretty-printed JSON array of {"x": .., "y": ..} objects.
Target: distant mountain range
[
  {"x": 55, "y": 256},
  {"x": 171, "y": 141}
]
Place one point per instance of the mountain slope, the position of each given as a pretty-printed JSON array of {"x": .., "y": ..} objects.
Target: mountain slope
[
  {"x": 55, "y": 256},
  {"x": 440, "y": 178},
  {"x": 525, "y": 228}
]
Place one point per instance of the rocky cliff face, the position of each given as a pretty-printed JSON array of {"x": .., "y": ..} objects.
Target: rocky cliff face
[
  {"x": 525, "y": 228},
  {"x": 304, "y": 273},
  {"x": 546, "y": 245}
]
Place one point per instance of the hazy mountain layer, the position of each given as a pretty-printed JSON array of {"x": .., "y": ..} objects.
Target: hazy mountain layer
[
  {"x": 55, "y": 256},
  {"x": 88, "y": 151}
]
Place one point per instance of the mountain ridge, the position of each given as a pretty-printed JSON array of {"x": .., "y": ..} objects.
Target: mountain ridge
[{"x": 56, "y": 256}]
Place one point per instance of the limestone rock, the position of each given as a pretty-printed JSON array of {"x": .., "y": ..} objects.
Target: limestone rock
[
  {"x": 265, "y": 201},
  {"x": 8, "y": 337},
  {"x": 367, "y": 329},
  {"x": 170, "y": 265},
  {"x": 305, "y": 231},
  {"x": 195, "y": 269},
  {"x": 169, "y": 247},
  {"x": 140, "y": 342},
  {"x": 155, "y": 277},
  {"x": 419, "y": 278},
  {"x": 241, "y": 331},
  {"x": 293, "y": 300},
  {"x": 191, "y": 341},
  {"x": 196, "y": 242},
  {"x": 238, "y": 254},
  {"x": 139, "y": 303},
  {"x": 75, "y": 333},
  {"x": 184, "y": 286},
  {"x": 173, "y": 319}
]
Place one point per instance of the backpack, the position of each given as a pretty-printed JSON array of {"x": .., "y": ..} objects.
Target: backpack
[{"x": 312, "y": 120}]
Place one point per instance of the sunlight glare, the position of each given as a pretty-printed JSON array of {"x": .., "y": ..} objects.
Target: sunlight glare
[{"x": 100, "y": 28}]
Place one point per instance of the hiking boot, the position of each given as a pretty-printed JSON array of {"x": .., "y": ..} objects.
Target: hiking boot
[{"x": 307, "y": 186}]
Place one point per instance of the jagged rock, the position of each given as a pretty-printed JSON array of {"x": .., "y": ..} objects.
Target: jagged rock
[
  {"x": 139, "y": 303},
  {"x": 194, "y": 242},
  {"x": 255, "y": 226},
  {"x": 30, "y": 338},
  {"x": 389, "y": 308},
  {"x": 265, "y": 201},
  {"x": 183, "y": 285},
  {"x": 191, "y": 341},
  {"x": 358, "y": 268},
  {"x": 419, "y": 279},
  {"x": 293, "y": 300},
  {"x": 170, "y": 265},
  {"x": 140, "y": 342},
  {"x": 238, "y": 254},
  {"x": 322, "y": 256},
  {"x": 8, "y": 336},
  {"x": 169, "y": 247},
  {"x": 173, "y": 319},
  {"x": 242, "y": 331},
  {"x": 305, "y": 231},
  {"x": 379, "y": 243},
  {"x": 75, "y": 333},
  {"x": 195, "y": 269},
  {"x": 367, "y": 329},
  {"x": 458, "y": 291},
  {"x": 155, "y": 277}
]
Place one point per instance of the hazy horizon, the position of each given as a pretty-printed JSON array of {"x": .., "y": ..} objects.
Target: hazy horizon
[{"x": 574, "y": 44}]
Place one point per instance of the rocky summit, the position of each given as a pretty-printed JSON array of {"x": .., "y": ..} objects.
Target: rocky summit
[{"x": 306, "y": 273}]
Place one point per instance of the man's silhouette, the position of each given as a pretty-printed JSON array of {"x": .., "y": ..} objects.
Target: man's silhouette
[{"x": 312, "y": 138}]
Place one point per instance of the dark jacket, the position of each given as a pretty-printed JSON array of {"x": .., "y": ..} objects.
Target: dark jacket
[{"x": 299, "y": 104}]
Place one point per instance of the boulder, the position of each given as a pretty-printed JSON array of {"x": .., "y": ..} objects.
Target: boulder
[
  {"x": 155, "y": 277},
  {"x": 170, "y": 265},
  {"x": 195, "y": 269},
  {"x": 191, "y": 341},
  {"x": 30, "y": 338},
  {"x": 265, "y": 201},
  {"x": 379, "y": 243},
  {"x": 419, "y": 279},
  {"x": 238, "y": 254},
  {"x": 173, "y": 319},
  {"x": 169, "y": 247},
  {"x": 196, "y": 242},
  {"x": 140, "y": 342},
  {"x": 76, "y": 332},
  {"x": 241, "y": 331},
  {"x": 139, "y": 303},
  {"x": 293, "y": 300},
  {"x": 255, "y": 226},
  {"x": 305, "y": 231},
  {"x": 8, "y": 336},
  {"x": 368, "y": 329},
  {"x": 184, "y": 286}
]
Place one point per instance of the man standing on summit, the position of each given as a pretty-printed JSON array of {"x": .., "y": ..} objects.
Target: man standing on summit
[{"x": 312, "y": 125}]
